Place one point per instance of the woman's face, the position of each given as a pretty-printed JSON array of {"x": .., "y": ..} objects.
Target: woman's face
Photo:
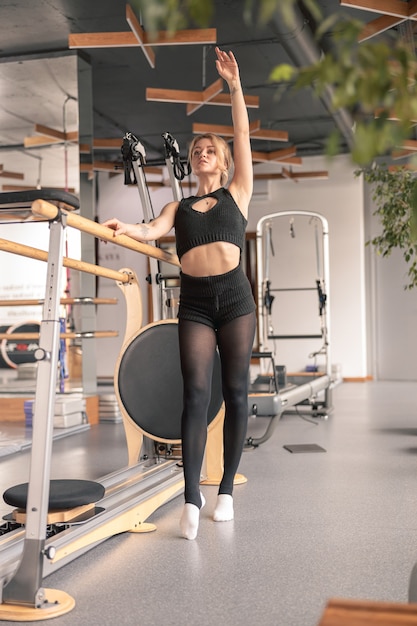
[{"x": 204, "y": 158}]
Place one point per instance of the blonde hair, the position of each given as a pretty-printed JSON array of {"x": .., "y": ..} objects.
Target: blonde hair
[{"x": 223, "y": 153}]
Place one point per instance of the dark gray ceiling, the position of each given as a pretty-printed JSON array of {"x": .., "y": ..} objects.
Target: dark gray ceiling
[{"x": 121, "y": 76}]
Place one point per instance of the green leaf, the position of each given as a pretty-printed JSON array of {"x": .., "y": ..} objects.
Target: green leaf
[
  {"x": 283, "y": 73},
  {"x": 413, "y": 216}
]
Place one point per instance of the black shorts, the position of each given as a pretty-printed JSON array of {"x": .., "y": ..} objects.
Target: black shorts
[{"x": 215, "y": 300}]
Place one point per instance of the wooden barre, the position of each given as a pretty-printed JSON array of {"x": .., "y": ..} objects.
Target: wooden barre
[
  {"x": 64, "y": 301},
  {"x": 96, "y": 334},
  {"x": 40, "y": 207},
  {"x": 82, "y": 266}
]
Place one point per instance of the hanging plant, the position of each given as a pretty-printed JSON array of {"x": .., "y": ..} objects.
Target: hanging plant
[{"x": 395, "y": 195}]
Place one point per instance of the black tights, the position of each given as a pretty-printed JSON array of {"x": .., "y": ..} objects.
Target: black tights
[{"x": 197, "y": 349}]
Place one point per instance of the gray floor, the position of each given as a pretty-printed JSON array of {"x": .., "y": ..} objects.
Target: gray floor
[{"x": 308, "y": 527}]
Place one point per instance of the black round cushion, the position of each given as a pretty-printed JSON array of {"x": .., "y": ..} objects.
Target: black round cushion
[
  {"x": 63, "y": 494},
  {"x": 150, "y": 385}
]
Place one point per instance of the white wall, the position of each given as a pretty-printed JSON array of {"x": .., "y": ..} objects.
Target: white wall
[
  {"x": 392, "y": 317},
  {"x": 339, "y": 199}
]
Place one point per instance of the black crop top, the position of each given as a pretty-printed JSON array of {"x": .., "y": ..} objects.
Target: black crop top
[{"x": 224, "y": 222}]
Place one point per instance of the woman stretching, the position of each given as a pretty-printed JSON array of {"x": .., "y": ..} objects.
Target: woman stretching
[{"x": 217, "y": 308}]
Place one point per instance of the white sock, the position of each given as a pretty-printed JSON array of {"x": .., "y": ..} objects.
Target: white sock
[
  {"x": 190, "y": 519},
  {"x": 224, "y": 508}
]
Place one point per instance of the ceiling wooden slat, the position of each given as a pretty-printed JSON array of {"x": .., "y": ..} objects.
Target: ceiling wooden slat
[
  {"x": 173, "y": 95},
  {"x": 15, "y": 175},
  {"x": 410, "y": 144},
  {"x": 129, "y": 40},
  {"x": 40, "y": 129},
  {"x": 107, "y": 144},
  {"x": 318, "y": 175},
  {"x": 270, "y": 135},
  {"x": 212, "y": 90},
  {"x": 219, "y": 129},
  {"x": 396, "y": 8},
  {"x": 295, "y": 176},
  {"x": 154, "y": 94},
  {"x": 137, "y": 29},
  {"x": 183, "y": 37},
  {"x": 381, "y": 24},
  {"x": 276, "y": 155},
  {"x": 102, "y": 40},
  {"x": 256, "y": 132},
  {"x": 223, "y": 99},
  {"x": 282, "y": 154}
]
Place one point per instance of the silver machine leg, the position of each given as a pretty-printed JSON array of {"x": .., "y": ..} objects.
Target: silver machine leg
[{"x": 25, "y": 587}]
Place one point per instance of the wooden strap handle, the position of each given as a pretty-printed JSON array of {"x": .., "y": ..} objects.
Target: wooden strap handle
[
  {"x": 94, "y": 334},
  {"x": 82, "y": 266},
  {"x": 40, "y": 207},
  {"x": 63, "y": 301}
]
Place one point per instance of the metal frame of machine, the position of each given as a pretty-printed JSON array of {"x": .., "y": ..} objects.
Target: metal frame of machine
[{"x": 274, "y": 403}]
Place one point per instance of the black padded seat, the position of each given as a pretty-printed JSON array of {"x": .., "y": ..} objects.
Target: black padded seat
[
  {"x": 24, "y": 199},
  {"x": 63, "y": 494}
]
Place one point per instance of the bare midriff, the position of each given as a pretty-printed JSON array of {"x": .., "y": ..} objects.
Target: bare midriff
[{"x": 211, "y": 259}]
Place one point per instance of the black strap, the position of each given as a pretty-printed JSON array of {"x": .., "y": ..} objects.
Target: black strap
[{"x": 180, "y": 169}]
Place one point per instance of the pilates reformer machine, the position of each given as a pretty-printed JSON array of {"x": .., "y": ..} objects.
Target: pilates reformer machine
[
  {"x": 271, "y": 397},
  {"x": 55, "y": 521}
]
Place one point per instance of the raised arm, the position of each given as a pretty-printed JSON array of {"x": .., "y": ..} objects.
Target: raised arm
[
  {"x": 150, "y": 231},
  {"x": 241, "y": 185}
]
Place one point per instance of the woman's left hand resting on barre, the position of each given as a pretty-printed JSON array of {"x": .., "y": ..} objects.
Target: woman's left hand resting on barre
[{"x": 151, "y": 231}]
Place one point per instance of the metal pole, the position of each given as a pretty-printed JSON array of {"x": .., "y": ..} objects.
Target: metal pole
[{"x": 25, "y": 586}]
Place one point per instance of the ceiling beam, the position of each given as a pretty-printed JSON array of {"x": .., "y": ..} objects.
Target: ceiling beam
[
  {"x": 177, "y": 95},
  {"x": 212, "y": 90},
  {"x": 129, "y": 40},
  {"x": 410, "y": 144},
  {"x": 137, "y": 30},
  {"x": 289, "y": 175},
  {"x": 223, "y": 99},
  {"x": 219, "y": 129},
  {"x": 270, "y": 135},
  {"x": 283, "y": 155},
  {"x": 138, "y": 38},
  {"x": 378, "y": 26},
  {"x": 107, "y": 144},
  {"x": 255, "y": 130},
  {"x": 15, "y": 175},
  {"x": 154, "y": 94},
  {"x": 396, "y": 8}
]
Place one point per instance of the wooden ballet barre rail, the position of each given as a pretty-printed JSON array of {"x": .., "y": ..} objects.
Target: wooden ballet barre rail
[
  {"x": 93, "y": 334},
  {"x": 63, "y": 301},
  {"x": 40, "y": 207},
  {"x": 82, "y": 266}
]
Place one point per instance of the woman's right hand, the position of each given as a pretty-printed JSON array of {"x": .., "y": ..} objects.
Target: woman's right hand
[{"x": 118, "y": 227}]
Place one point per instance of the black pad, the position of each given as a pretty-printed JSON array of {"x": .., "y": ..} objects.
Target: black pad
[
  {"x": 63, "y": 494},
  {"x": 150, "y": 382},
  {"x": 24, "y": 199}
]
